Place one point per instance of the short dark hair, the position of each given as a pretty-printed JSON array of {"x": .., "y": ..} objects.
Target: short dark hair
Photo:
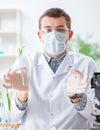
[{"x": 56, "y": 13}]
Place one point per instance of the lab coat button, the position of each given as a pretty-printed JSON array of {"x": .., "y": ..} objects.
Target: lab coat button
[
  {"x": 50, "y": 95},
  {"x": 52, "y": 114},
  {"x": 53, "y": 77},
  {"x": 53, "y": 128}
]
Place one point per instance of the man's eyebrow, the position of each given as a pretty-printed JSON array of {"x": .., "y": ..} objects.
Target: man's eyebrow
[
  {"x": 47, "y": 27},
  {"x": 60, "y": 26}
]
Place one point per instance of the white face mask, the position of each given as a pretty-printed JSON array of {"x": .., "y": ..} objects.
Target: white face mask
[{"x": 54, "y": 42}]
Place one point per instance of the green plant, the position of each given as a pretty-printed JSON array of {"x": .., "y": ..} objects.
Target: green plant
[
  {"x": 8, "y": 99},
  {"x": 0, "y": 94},
  {"x": 85, "y": 47},
  {"x": 20, "y": 51},
  {"x": 8, "y": 95}
]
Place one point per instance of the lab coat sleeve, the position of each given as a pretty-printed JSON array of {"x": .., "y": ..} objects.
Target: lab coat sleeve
[
  {"x": 17, "y": 114},
  {"x": 88, "y": 110}
]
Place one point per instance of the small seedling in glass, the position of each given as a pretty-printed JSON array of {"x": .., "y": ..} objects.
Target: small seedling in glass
[{"x": 20, "y": 52}]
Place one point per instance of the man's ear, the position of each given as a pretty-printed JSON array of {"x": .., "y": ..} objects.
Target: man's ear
[
  {"x": 39, "y": 36},
  {"x": 70, "y": 35}
]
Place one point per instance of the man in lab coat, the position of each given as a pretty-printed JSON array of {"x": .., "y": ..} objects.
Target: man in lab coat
[{"x": 55, "y": 92}]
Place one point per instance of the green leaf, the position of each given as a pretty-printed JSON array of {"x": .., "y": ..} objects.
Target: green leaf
[{"x": 20, "y": 51}]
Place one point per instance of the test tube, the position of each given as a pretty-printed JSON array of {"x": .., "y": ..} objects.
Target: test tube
[
  {"x": 22, "y": 72},
  {"x": 76, "y": 55}
]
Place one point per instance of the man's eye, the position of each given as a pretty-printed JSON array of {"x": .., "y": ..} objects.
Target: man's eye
[
  {"x": 48, "y": 30},
  {"x": 61, "y": 30}
]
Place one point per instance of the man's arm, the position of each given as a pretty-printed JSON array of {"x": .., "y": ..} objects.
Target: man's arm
[
  {"x": 19, "y": 106},
  {"x": 21, "y": 100}
]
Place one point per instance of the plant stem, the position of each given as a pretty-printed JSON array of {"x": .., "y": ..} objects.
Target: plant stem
[
  {"x": 20, "y": 51},
  {"x": 8, "y": 99}
]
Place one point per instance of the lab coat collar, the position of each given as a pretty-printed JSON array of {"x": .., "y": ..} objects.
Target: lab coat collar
[
  {"x": 42, "y": 61},
  {"x": 64, "y": 66},
  {"x": 44, "y": 64}
]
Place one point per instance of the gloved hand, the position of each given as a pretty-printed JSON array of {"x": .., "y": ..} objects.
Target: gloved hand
[
  {"x": 16, "y": 79},
  {"x": 76, "y": 83}
]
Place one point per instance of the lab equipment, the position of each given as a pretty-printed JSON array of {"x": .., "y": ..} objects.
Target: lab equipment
[
  {"x": 76, "y": 55},
  {"x": 95, "y": 82}
]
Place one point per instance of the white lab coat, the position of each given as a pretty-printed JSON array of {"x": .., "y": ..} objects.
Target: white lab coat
[{"x": 48, "y": 103}]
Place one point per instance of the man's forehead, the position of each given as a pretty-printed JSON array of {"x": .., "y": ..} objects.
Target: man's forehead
[{"x": 52, "y": 22}]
